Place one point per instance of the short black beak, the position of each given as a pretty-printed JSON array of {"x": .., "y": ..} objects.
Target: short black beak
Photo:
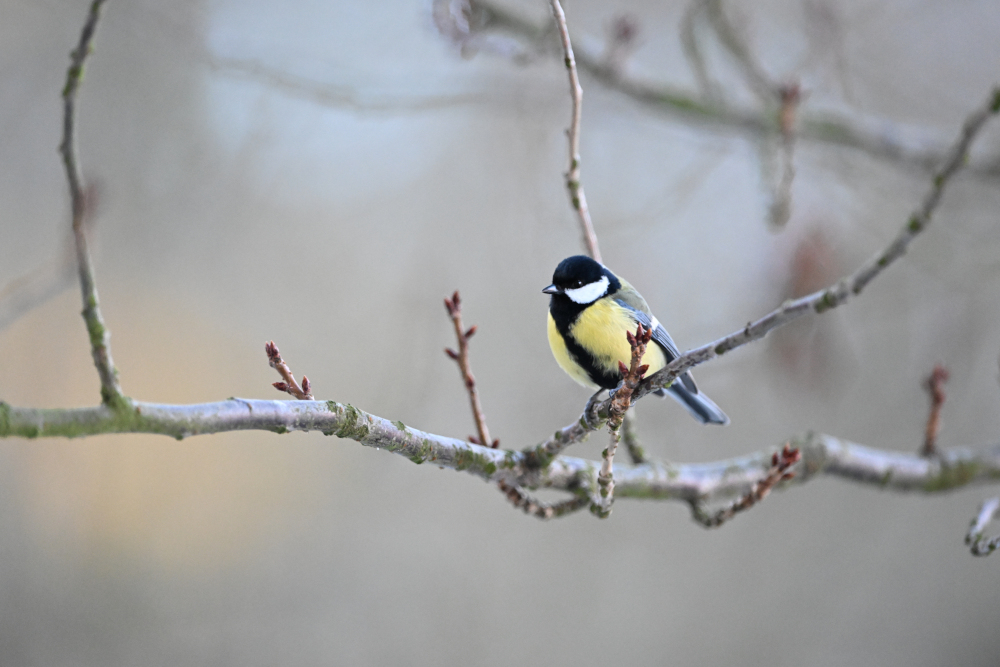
[{"x": 552, "y": 289}]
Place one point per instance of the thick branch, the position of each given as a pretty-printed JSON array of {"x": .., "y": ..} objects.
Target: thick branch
[
  {"x": 576, "y": 195},
  {"x": 707, "y": 482},
  {"x": 111, "y": 392}
]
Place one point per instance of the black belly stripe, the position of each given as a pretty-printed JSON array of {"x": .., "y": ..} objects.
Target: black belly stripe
[
  {"x": 564, "y": 314},
  {"x": 598, "y": 375}
]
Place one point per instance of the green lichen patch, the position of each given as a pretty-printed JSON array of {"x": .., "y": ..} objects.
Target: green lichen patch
[
  {"x": 952, "y": 476},
  {"x": 353, "y": 423}
]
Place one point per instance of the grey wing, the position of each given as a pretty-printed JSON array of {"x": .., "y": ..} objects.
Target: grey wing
[{"x": 662, "y": 338}]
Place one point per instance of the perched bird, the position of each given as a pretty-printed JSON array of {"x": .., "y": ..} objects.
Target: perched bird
[{"x": 589, "y": 314}]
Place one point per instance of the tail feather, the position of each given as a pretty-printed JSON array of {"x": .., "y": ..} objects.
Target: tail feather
[{"x": 698, "y": 404}]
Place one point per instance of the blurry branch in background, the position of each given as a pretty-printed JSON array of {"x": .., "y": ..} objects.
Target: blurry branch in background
[
  {"x": 22, "y": 295},
  {"x": 489, "y": 22},
  {"x": 329, "y": 94},
  {"x": 778, "y": 100},
  {"x": 935, "y": 388},
  {"x": 978, "y": 543},
  {"x": 732, "y": 39},
  {"x": 781, "y": 194},
  {"x": 454, "y": 308},
  {"x": 289, "y": 386},
  {"x": 100, "y": 344},
  {"x": 576, "y": 195}
]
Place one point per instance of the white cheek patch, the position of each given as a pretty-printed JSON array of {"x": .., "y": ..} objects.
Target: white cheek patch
[{"x": 590, "y": 292}]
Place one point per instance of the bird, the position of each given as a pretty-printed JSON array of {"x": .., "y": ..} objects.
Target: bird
[{"x": 590, "y": 311}]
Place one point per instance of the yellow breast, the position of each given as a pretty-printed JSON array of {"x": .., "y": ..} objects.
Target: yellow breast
[{"x": 601, "y": 330}]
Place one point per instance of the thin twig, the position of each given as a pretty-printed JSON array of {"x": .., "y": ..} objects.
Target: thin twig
[
  {"x": 710, "y": 90},
  {"x": 934, "y": 384},
  {"x": 621, "y": 401},
  {"x": 732, "y": 40},
  {"x": 779, "y": 472},
  {"x": 454, "y": 307},
  {"x": 536, "y": 508},
  {"x": 978, "y": 543},
  {"x": 576, "y": 195},
  {"x": 781, "y": 203},
  {"x": 100, "y": 343},
  {"x": 289, "y": 386},
  {"x": 635, "y": 451}
]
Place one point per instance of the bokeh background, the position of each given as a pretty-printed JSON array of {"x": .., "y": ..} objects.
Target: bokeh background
[{"x": 323, "y": 174}]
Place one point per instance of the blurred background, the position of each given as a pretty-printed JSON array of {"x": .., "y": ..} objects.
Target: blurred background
[{"x": 324, "y": 173}]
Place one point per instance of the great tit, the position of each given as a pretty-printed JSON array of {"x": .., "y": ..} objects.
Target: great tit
[{"x": 590, "y": 311}]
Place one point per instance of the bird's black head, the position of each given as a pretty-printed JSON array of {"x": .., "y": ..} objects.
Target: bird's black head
[{"x": 582, "y": 280}]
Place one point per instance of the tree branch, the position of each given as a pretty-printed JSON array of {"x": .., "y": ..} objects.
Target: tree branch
[
  {"x": 978, "y": 543},
  {"x": 111, "y": 391},
  {"x": 454, "y": 307},
  {"x": 289, "y": 386},
  {"x": 576, "y": 195},
  {"x": 707, "y": 482},
  {"x": 689, "y": 106},
  {"x": 536, "y": 508},
  {"x": 935, "y": 388},
  {"x": 779, "y": 472}
]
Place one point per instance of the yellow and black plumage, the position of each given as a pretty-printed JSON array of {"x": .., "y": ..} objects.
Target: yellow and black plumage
[{"x": 590, "y": 311}]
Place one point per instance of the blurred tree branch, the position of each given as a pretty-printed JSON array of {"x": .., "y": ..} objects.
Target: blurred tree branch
[{"x": 488, "y": 24}]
